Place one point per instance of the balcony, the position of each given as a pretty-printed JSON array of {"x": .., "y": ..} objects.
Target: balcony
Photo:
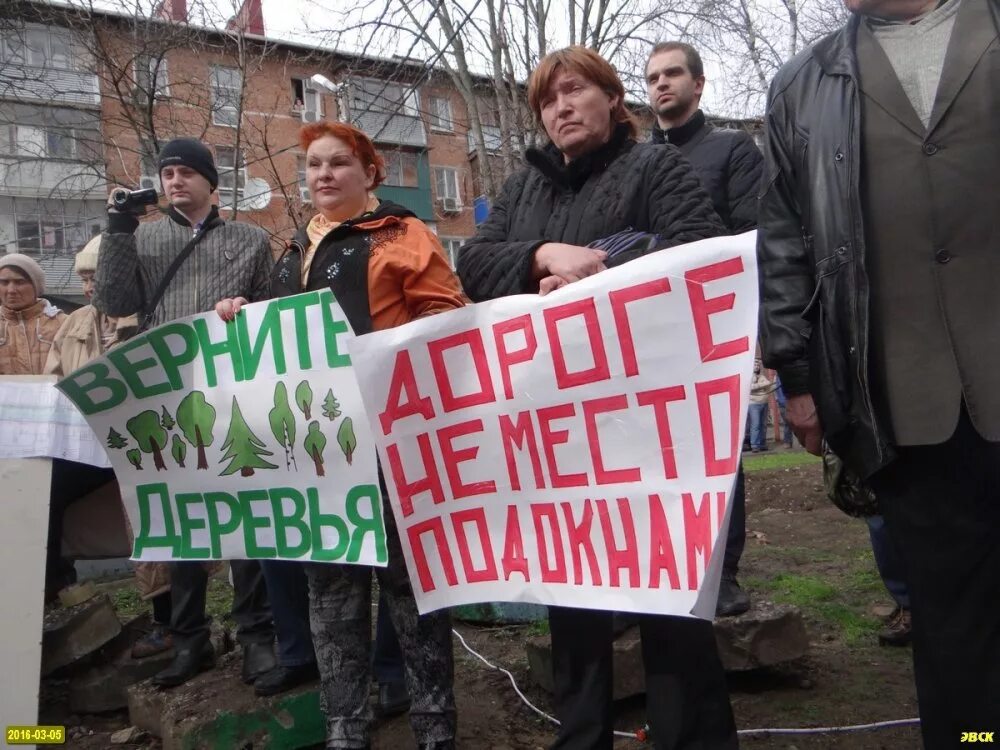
[{"x": 48, "y": 178}]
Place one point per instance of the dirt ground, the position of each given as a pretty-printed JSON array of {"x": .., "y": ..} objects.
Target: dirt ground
[{"x": 800, "y": 550}]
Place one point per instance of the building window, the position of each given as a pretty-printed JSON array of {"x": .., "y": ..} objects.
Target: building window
[
  {"x": 151, "y": 75},
  {"x": 451, "y": 247},
  {"x": 53, "y": 228},
  {"x": 400, "y": 169},
  {"x": 306, "y": 100},
  {"x": 150, "y": 177},
  {"x": 371, "y": 95},
  {"x": 42, "y": 48},
  {"x": 446, "y": 186},
  {"x": 36, "y": 142},
  {"x": 440, "y": 113},
  {"x": 303, "y": 187},
  {"x": 227, "y": 83},
  {"x": 229, "y": 175}
]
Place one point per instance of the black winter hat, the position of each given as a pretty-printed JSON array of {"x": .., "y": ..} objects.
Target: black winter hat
[{"x": 190, "y": 152}]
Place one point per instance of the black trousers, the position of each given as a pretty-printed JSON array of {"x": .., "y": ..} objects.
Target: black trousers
[
  {"x": 686, "y": 694},
  {"x": 736, "y": 539},
  {"x": 942, "y": 510},
  {"x": 251, "y": 611}
]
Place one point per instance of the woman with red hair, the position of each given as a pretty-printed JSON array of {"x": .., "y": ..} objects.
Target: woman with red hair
[{"x": 386, "y": 268}]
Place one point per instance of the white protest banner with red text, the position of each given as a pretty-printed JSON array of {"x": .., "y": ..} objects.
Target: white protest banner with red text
[{"x": 577, "y": 449}]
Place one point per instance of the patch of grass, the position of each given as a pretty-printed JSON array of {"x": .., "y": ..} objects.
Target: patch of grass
[
  {"x": 855, "y": 628},
  {"x": 539, "y": 627},
  {"x": 128, "y": 603},
  {"x": 219, "y": 599},
  {"x": 778, "y": 460},
  {"x": 802, "y": 591},
  {"x": 824, "y": 601}
]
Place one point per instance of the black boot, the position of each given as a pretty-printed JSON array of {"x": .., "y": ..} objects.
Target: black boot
[
  {"x": 280, "y": 679},
  {"x": 188, "y": 662},
  {"x": 732, "y": 599},
  {"x": 393, "y": 698},
  {"x": 258, "y": 660}
]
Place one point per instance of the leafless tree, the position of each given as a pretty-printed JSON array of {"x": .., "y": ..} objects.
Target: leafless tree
[{"x": 749, "y": 40}]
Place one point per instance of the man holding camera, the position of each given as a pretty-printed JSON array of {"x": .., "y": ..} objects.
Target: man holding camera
[{"x": 161, "y": 270}]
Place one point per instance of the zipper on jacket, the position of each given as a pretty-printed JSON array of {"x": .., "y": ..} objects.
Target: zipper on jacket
[{"x": 860, "y": 268}]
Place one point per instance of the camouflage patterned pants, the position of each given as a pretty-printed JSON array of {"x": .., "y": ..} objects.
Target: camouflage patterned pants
[{"x": 340, "y": 617}]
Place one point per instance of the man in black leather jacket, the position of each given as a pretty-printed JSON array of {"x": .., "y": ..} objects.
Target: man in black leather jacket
[
  {"x": 879, "y": 264},
  {"x": 729, "y": 166}
]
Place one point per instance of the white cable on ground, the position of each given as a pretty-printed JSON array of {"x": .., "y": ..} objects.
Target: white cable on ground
[{"x": 640, "y": 735}]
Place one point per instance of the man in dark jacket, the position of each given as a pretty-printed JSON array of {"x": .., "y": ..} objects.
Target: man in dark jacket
[
  {"x": 728, "y": 162},
  {"x": 729, "y": 166},
  {"x": 230, "y": 259},
  {"x": 879, "y": 262}
]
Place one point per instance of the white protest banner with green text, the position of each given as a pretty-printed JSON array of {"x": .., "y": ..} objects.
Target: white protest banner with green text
[{"x": 240, "y": 440}]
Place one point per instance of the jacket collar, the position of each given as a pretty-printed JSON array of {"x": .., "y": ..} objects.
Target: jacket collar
[
  {"x": 549, "y": 160},
  {"x": 42, "y": 306},
  {"x": 835, "y": 52},
  {"x": 212, "y": 219},
  {"x": 682, "y": 134},
  {"x": 387, "y": 212}
]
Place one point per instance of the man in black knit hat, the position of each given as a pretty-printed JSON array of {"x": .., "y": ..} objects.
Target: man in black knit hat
[{"x": 223, "y": 260}]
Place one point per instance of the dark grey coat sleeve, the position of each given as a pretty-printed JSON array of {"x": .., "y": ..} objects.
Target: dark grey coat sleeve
[
  {"x": 491, "y": 266},
  {"x": 746, "y": 171}
]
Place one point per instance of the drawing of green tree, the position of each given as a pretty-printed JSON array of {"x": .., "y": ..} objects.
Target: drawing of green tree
[
  {"x": 178, "y": 449},
  {"x": 134, "y": 456},
  {"x": 145, "y": 427},
  {"x": 115, "y": 439},
  {"x": 196, "y": 418},
  {"x": 242, "y": 448},
  {"x": 282, "y": 422},
  {"x": 304, "y": 398},
  {"x": 331, "y": 407},
  {"x": 315, "y": 443},
  {"x": 346, "y": 439},
  {"x": 166, "y": 420}
]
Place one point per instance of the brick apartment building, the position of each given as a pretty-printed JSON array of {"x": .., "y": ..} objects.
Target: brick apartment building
[{"x": 85, "y": 99}]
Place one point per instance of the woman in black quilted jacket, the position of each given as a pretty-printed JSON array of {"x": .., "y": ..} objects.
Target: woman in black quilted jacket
[{"x": 593, "y": 182}]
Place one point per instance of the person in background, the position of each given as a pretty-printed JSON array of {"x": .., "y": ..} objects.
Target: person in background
[
  {"x": 898, "y": 630},
  {"x": 879, "y": 268},
  {"x": 28, "y": 326},
  {"x": 730, "y": 167},
  {"x": 87, "y": 333},
  {"x": 386, "y": 268},
  {"x": 226, "y": 259},
  {"x": 786, "y": 428},
  {"x": 28, "y": 323},
  {"x": 591, "y": 182},
  {"x": 760, "y": 396}
]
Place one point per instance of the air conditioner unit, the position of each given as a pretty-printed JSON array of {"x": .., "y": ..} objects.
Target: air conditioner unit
[
  {"x": 304, "y": 195},
  {"x": 146, "y": 182},
  {"x": 309, "y": 115},
  {"x": 450, "y": 205}
]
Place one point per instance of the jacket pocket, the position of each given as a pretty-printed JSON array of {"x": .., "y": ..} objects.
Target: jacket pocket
[{"x": 829, "y": 371}]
